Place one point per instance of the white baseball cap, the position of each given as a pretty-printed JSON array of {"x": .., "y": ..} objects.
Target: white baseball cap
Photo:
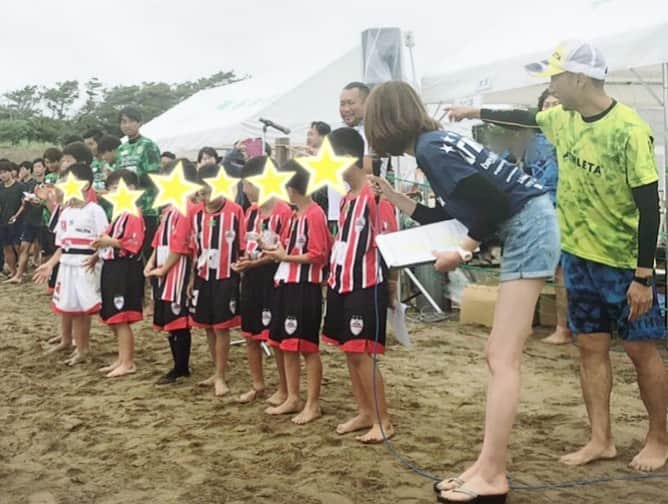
[{"x": 574, "y": 56}]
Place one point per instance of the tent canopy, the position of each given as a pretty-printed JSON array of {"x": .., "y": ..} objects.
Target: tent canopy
[{"x": 220, "y": 116}]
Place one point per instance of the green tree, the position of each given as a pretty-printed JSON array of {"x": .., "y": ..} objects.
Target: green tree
[
  {"x": 23, "y": 103},
  {"x": 61, "y": 97}
]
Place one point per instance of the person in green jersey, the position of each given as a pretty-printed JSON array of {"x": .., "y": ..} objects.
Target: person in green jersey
[
  {"x": 141, "y": 156},
  {"x": 91, "y": 139},
  {"x": 608, "y": 207}
]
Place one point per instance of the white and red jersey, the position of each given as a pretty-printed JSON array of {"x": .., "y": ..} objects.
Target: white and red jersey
[
  {"x": 355, "y": 259},
  {"x": 77, "y": 229},
  {"x": 388, "y": 217},
  {"x": 220, "y": 239},
  {"x": 256, "y": 223},
  {"x": 174, "y": 234},
  {"x": 306, "y": 234},
  {"x": 129, "y": 230}
]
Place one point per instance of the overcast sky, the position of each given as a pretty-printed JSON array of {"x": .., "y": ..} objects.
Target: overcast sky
[{"x": 129, "y": 41}]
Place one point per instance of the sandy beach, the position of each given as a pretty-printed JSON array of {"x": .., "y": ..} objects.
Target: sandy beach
[{"x": 71, "y": 436}]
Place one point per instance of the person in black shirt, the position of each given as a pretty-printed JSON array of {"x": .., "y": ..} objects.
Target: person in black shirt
[
  {"x": 11, "y": 194},
  {"x": 28, "y": 218}
]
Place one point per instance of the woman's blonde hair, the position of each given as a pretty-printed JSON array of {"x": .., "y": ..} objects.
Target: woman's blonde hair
[{"x": 394, "y": 117}]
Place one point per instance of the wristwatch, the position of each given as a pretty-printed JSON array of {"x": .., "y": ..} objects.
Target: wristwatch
[
  {"x": 466, "y": 255},
  {"x": 646, "y": 281}
]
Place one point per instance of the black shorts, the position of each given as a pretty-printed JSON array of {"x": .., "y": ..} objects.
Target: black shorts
[
  {"x": 122, "y": 285},
  {"x": 47, "y": 241},
  {"x": 10, "y": 235},
  {"x": 355, "y": 322},
  {"x": 51, "y": 284},
  {"x": 30, "y": 232},
  {"x": 297, "y": 317},
  {"x": 151, "y": 222},
  {"x": 215, "y": 303},
  {"x": 171, "y": 315},
  {"x": 257, "y": 295}
]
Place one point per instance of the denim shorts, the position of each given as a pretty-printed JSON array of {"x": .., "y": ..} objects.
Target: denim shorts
[
  {"x": 531, "y": 242},
  {"x": 597, "y": 301}
]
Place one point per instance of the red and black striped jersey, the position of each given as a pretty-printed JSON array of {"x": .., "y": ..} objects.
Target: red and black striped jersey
[
  {"x": 220, "y": 238},
  {"x": 129, "y": 230},
  {"x": 174, "y": 235},
  {"x": 355, "y": 259},
  {"x": 388, "y": 217},
  {"x": 306, "y": 234},
  {"x": 256, "y": 223}
]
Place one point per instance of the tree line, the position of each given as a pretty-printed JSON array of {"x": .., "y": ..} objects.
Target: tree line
[{"x": 51, "y": 113}]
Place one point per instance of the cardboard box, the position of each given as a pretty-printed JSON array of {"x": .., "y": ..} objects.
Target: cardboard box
[{"x": 478, "y": 303}]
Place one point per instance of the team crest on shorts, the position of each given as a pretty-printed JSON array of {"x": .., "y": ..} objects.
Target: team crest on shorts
[
  {"x": 356, "y": 325},
  {"x": 233, "y": 306},
  {"x": 359, "y": 224},
  {"x": 119, "y": 302},
  {"x": 176, "y": 308},
  {"x": 266, "y": 318},
  {"x": 290, "y": 325}
]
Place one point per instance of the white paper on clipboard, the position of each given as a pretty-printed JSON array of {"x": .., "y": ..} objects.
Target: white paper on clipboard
[{"x": 415, "y": 245}]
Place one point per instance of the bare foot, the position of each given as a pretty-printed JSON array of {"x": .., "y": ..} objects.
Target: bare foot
[
  {"x": 55, "y": 340},
  {"x": 652, "y": 457},
  {"x": 251, "y": 396},
  {"x": 110, "y": 367},
  {"x": 375, "y": 436},
  {"x": 220, "y": 387},
  {"x": 277, "y": 398},
  {"x": 561, "y": 336},
  {"x": 121, "y": 370},
  {"x": 308, "y": 414},
  {"x": 60, "y": 347},
  {"x": 476, "y": 486},
  {"x": 208, "y": 382},
  {"x": 354, "y": 424},
  {"x": 14, "y": 280},
  {"x": 590, "y": 452},
  {"x": 77, "y": 358},
  {"x": 289, "y": 406}
]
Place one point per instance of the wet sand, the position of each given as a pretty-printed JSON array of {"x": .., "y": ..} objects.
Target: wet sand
[{"x": 71, "y": 436}]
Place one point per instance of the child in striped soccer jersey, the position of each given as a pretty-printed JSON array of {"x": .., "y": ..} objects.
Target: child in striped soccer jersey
[
  {"x": 122, "y": 277},
  {"x": 76, "y": 295},
  {"x": 295, "y": 329},
  {"x": 257, "y": 283},
  {"x": 357, "y": 297},
  {"x": 219, "y": 235},
  {"x": 169, "y": 268}
]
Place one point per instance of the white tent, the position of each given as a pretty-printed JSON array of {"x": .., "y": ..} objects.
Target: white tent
[{"x": 218, "y": 117}]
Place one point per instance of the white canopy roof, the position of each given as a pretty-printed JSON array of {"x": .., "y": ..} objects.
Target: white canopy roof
[{"x": 220, "y": 116}]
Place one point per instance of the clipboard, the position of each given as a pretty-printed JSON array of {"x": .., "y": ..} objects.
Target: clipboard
[{"x": 414, "y": 246}]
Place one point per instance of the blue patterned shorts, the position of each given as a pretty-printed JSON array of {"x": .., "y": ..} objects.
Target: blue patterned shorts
[{"x": 597, "y": 301}]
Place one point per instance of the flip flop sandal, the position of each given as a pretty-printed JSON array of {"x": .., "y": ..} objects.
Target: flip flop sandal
[
  {"x": 475, "y": 498},
  {"x": 458, "y": 481}
]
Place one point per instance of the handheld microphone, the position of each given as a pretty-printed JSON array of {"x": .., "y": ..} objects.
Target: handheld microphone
[{"x": 272, "y": 124}]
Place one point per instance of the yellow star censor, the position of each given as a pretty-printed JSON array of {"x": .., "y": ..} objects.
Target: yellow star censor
[
  {"x": 326, "y": 169},
  {"x": 271, "y": 183},
  {"x": 123, "y": 200},
  {"x": 222, "y": 185},
  {"x": 173, "y": 189},
  {"x": 72, "y": 188}
]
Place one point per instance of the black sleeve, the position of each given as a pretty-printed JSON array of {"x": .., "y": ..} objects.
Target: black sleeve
[
  {"x": 491, "y": 205},
  {"x": 517, "y": 118},
  {"x": 428, "y": 215},
  {"x": 647, "y": 201}
]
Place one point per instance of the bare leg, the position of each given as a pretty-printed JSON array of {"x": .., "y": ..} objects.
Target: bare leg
[
  {"x": 377, "y": 407},
  {"x": 312, "y": 409},
  {"x": 211, "y": 341},
  {"x": 117, "y": 361},
  {"x": 654, "y": 393},
  {"x": 512, "y": 326},
  {"x": 222, "y": 352},
  {"x": 10, "y": 260},
  {"x": 562, "y": 334},
  {"x": 24, "y": 254},
  {"x": 281, "y": 394},
  {"x": 292, "y": 403},
  {"x": 254, "y": 353},
  {"x": 126, "y": 352},
  {"x": 65, "y": 335},
  {"x": 364, "y": 418},
  {"x": 596, "y": 382},
  {"x": 81, "y": 334}
]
